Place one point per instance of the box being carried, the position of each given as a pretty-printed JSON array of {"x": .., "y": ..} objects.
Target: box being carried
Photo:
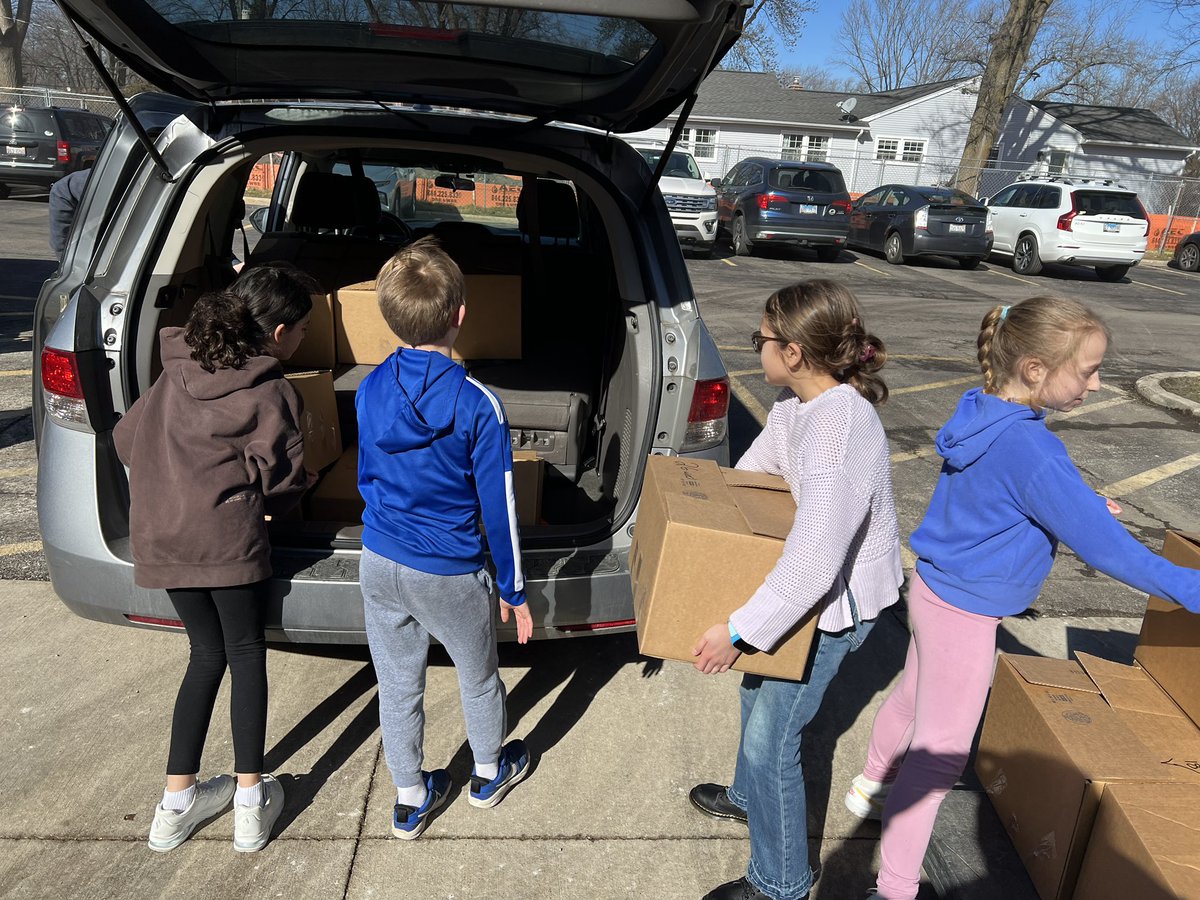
[
  {"x": 1169, "y": 648},
  {"x": 706, "y": 538},
  {"x": 318, "y": 419}
]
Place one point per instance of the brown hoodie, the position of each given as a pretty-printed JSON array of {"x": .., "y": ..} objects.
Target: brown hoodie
[{"x": 206, "y": 451}]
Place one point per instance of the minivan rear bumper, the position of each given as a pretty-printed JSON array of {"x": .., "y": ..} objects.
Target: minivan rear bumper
[{"x": 803, "y": 235}]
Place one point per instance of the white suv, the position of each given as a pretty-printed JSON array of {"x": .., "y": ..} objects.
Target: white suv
[
  {"x": 1070, "y": 221},
  {"x": 690, "y": 199}
]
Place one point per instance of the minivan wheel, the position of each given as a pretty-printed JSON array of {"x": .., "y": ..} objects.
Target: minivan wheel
[
  {"x": 970, "y": 262},
  {"x": 1026, "y": 260},
  {"x": 741, "y": 245},
  {"x": 1189, "y": 258},
  {"x": 893, "y": 249},
  {"x": 1111, "y": 273}
]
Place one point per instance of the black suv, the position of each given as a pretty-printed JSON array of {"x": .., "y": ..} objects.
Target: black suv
[
  {"x": 778, "y": 201},
  {"x": 44, "y": 144}
]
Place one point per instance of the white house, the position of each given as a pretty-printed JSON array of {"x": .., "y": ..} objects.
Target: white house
[{"x": 917, "y": 134}]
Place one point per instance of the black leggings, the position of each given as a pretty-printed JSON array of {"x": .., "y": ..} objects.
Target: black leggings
[{"x": 224, "y": 626}]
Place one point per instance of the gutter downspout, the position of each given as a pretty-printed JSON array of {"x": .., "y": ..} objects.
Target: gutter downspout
[{"x": 857, "y": 152}]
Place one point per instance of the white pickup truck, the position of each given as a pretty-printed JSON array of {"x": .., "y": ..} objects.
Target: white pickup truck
[{"x": 690, "y": 199}]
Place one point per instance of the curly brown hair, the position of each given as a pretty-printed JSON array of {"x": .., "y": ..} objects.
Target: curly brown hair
[{"x": 822, "y": 316}]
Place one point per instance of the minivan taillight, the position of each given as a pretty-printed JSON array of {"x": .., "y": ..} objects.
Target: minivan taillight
[
  {"x": 765, "y": 200},
  {"x": 708, "y": 417},
  {"x": 62, "y": 388},
  {"x": 64, "y": 151}
]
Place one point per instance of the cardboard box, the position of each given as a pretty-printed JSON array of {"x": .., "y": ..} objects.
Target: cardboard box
[
  {"x": 492, "y": 329},
  {"x": 317, "y": 350},
  {"x": 336, "y": 497},
  {"x": 319, "y": 418},
  {"x": 1145, "y": 844},
  {"x": 1169, "y": 648},
  {"x": 1056, "y": 734},
  {"x": 529, "y": 472},
  {"x": 693, "y": 520}
]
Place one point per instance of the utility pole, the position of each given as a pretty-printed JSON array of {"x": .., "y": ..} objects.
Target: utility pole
[{"x": 1010, "y": 50}]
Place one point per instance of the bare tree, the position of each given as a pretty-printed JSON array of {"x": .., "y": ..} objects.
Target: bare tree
[
  {"x": 1010, "y": 49},
  {"x": 893, "y": 43},
  {"x": 770, "y": 26},
  {"x": 14, "y": 24}
]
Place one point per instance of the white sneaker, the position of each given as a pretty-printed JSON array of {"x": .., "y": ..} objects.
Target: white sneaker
[
  {"x": 170, "y": 828},
  {"x": 866, "y": 798},
  {"x": 252, "y": 824}
]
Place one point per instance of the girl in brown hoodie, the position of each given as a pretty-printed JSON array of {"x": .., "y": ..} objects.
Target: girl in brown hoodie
[{"x": 212, "y": 446}]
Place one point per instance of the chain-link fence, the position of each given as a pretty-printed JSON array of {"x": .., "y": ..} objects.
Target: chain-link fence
[{"x": 41, "y": 97}]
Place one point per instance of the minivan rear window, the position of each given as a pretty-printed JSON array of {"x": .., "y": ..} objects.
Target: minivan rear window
[
  {"x": 1108, "y": 203},
  {"x": 818, "y": 181},
  {"x": 444, "y": 29}
]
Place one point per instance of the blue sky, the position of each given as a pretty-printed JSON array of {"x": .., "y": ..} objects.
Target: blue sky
[{"x": 817, "y": 46}]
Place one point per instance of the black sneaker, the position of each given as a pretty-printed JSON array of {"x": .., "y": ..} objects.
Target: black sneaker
[
  {"x": 741, "y": 889},
  {"x": 713, "y": 800}
]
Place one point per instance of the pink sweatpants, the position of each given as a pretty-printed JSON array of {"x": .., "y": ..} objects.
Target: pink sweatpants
[{"x": 923, "y": 732}]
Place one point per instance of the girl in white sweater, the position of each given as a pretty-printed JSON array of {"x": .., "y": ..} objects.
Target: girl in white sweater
[{"x": 842, "y": 558}]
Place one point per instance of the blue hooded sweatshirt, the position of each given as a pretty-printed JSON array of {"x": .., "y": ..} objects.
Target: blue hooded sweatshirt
[
  {"x": 1007, "y": 494},
  {"x": 434, "y": 453}
]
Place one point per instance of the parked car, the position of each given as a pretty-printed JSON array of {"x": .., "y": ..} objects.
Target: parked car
[
  {"x": 905, "y": 220},
  {"x": 614, "y": 363},
  {"x": 778, "y": 201},
  {"x": 1187, "y": 253},
  {"x": 690, "y": 199},
  {"x": 1069, "y": 221},
  {"x": 43, "y": 144}
]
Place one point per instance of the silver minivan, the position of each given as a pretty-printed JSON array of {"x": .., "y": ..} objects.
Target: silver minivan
[{"x": 446, "y": 98}]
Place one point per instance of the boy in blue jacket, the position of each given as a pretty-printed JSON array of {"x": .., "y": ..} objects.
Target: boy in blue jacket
[{"x": 434, "y": 453}]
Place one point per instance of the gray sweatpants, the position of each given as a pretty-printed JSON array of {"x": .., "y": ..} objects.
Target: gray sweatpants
[{"x": 403, "y": 609}]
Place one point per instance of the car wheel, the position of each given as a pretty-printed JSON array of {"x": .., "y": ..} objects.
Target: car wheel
[
  {"x": 1111, "y": 273},
  {"x": 741, "y": 244},
  {"x": 1189, "y": 257},
  {"x": 893, "y": 249},
  {"x": 1026, "y": 260},
  {"x": 970, "y": 262},
  {"x": 828, "y": 254}
]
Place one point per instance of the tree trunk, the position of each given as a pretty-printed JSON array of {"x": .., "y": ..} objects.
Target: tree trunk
[
  {"x": 1010, "y": 50},
  {"x": 13, "y": 25},
  {"x": 10, "y": 65}
]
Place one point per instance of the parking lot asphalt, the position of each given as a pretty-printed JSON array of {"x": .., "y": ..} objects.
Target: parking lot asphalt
[{"x": 621, "y": 739}]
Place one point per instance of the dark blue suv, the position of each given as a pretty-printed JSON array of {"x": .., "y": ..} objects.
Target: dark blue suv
[{"x": 779, "y": 201}]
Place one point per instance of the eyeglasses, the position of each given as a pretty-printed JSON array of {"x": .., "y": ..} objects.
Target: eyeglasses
[{"x": 758, "y": 340}]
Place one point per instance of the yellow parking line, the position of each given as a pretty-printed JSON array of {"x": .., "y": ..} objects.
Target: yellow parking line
[
  {"x": 859, "y": 262},
  {"x": 906, "y": 455},
  {"x": 13, "y": 373},
  {"x": 933, "y": 385},
  {"x": 749, "y": 401},
  {"x": 1157, "y": 288},
  {"x": 1091, "y": 407},
  {"x": 742, "y": 373},
  {"x": 1150, "y": 476},
  {"x": 17, "y": 473},
  {"x": 1013, "y": 277},
  {"x": 729, "y": 262},
  {"x": 14, "y": 549}
]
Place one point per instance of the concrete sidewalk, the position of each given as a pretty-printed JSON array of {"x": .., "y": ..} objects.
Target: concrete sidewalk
[{"x": 618, "y": 741}]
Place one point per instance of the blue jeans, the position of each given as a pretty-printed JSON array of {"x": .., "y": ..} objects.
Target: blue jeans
[{"x": 769, "y": 781}]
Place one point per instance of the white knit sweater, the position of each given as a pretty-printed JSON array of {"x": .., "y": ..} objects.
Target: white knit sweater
[{"x": 833, "y": 453}]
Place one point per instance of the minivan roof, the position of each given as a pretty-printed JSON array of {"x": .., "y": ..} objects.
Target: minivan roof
[{"x": 620, "y": 65}]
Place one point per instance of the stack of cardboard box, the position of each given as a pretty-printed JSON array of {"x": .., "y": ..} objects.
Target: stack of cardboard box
[{"x": 1094, "y": 766}]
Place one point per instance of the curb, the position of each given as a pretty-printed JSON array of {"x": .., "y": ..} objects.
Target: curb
[{"x": 1149, "y": 388}]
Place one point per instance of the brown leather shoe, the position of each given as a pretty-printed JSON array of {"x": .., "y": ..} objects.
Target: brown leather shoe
[{"x": 712, "y": 800}]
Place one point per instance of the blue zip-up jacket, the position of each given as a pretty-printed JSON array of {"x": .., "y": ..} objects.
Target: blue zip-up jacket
[
  {"x": 434, "y": 453},
  {"x": 1007, "y": 494}
]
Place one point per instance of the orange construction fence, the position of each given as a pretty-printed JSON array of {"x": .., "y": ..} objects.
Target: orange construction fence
[{"x": 1166, "y": 231}]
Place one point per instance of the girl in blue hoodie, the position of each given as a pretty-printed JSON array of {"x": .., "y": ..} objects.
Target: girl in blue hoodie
[{"x": 1007, "y": 494}]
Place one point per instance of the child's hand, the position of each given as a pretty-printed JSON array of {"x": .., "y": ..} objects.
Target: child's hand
[
  {"x": 1113, "y": 506},
  {"x": 524, "y": 620},
  {"x": 715, "y": 652}
]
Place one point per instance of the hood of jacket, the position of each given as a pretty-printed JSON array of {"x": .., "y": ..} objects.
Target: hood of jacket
[
  {"x": 431, "y": 383},
  {"x": 180, "y": 367},
  {"x": 977, "y": 423}
]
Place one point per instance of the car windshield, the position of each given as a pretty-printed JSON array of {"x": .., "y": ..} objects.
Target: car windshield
[
  {"x": 681, "y": 165},
  {"x": 595, "y": 45},
  {"x": 1107, "y": 203},
  {"x": 818, "y": 181}
]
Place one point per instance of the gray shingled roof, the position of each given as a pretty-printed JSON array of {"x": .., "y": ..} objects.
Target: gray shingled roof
[
  {"x": 1122, "y": 124},
  {"x": 759, "y": 95}
]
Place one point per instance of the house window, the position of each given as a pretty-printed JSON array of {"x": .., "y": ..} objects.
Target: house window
[
  {"x": 993, "y": 157},
  {"x": 886, "y": 148},
  {"x": 1058, "y": 161},
  {"x": 805, "y": 147},
  {"x": 702, "y": 142},
  {"x": 914, "y": 151}
]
